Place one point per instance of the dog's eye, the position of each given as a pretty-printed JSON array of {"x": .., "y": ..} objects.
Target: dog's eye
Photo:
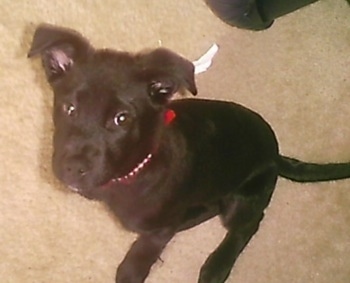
[
  {"x": 121, "y": 119},
  {"x": 161, "y": 88},
  {"x": 69, "y": 109}
]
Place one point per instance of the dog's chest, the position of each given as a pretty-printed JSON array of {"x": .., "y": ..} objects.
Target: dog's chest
[{"x": 137, "y": 212}]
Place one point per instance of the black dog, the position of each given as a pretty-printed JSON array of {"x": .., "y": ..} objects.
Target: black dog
[{"x": 162, "y": 166}]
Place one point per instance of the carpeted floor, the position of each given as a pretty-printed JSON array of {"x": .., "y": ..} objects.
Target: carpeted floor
[{"x": 296, "y": 74}]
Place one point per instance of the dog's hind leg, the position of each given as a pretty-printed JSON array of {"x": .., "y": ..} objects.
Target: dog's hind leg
[{"x": 241, "y": 215}]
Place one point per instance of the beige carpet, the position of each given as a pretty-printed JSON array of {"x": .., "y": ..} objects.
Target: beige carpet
[{"x": 295, "y": 74}]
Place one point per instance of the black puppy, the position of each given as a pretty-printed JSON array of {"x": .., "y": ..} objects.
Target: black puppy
[{"x": 162, "y": 166}]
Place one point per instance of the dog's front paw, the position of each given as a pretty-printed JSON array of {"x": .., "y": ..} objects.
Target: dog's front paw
[
  {"x": 208, "y": 275},
  {"x": 128, "y": 276},
  {"x": 213, "y": 276},
  {"x": 216, "y": 269}
]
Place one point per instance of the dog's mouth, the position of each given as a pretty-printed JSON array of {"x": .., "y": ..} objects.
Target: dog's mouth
[
  {"x": 74, "y": 189},
  {"x": 127, "y": 178}
]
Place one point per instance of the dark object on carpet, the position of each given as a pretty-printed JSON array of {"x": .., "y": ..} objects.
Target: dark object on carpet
[{"x": 254, "y": 14}]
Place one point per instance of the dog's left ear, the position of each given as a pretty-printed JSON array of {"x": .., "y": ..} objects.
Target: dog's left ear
[
  {"x": 167, "y": 73},
  {"x": 60, "y": 48}
]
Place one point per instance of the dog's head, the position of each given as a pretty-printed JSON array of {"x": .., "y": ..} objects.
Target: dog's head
[{"x": 109, "y": 106}]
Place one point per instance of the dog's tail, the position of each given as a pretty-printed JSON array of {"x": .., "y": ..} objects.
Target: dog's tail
[{"x": 300, "y": 171}]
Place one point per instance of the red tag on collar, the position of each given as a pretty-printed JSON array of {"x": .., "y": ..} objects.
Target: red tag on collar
[{"x": 169, "y": 116}]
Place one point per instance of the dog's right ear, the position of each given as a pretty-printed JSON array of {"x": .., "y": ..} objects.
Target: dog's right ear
[
  {"x": 59, "y": 48},
  {"x": 166, "y": 73}
]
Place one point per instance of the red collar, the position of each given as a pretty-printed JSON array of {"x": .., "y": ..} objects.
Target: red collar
[
  {"x": 169, "y": 116},
  {"x": 136, "y": 170}
]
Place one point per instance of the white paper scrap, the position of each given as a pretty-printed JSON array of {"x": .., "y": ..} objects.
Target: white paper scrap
[{"x": 204, "y": 62}]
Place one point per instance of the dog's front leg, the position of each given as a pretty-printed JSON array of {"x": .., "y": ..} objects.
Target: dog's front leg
[{"x": 142, "y": 255}]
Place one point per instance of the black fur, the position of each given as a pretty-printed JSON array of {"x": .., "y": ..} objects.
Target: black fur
[{"x": 114, "y": 141}]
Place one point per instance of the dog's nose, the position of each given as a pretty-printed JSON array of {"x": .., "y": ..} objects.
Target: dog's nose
[{"x": 75, "y": 170}]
